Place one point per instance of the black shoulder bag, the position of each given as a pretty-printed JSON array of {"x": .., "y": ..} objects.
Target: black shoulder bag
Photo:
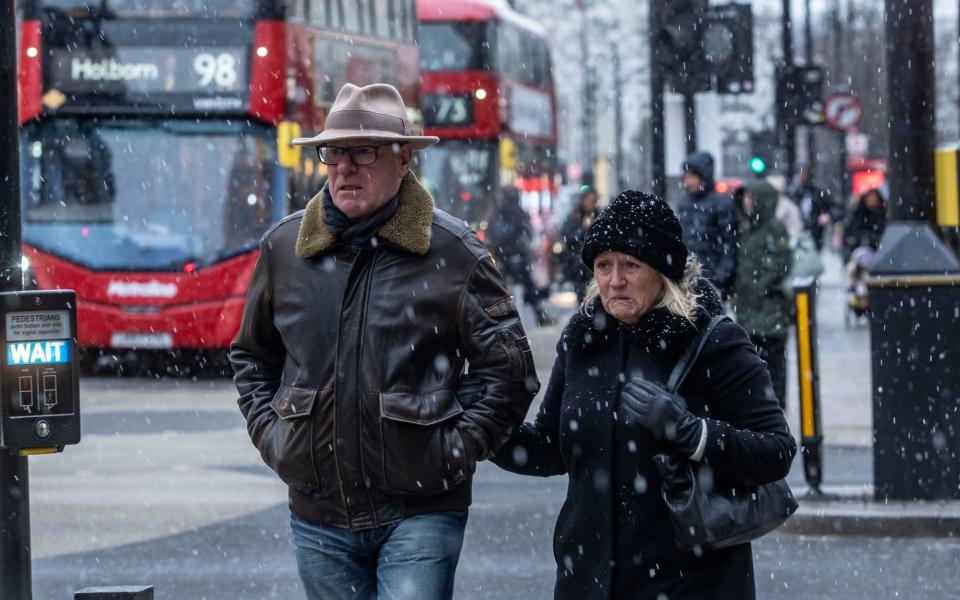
[{"x": 707, "y": 514}]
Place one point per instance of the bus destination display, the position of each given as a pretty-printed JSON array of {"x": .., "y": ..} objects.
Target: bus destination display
[{"x": 141, "y": 70}]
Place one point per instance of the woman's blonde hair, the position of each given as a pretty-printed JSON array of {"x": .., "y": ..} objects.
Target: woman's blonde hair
[{"x": 680, "y": 298}]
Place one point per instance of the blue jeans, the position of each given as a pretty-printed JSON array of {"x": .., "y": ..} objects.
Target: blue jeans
[{"x": 413, "y": 559}]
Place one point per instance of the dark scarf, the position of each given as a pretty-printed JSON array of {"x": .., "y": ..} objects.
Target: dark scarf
[
  {"x": 356, "y": 234},
  {"x": 659, "y": 331}
]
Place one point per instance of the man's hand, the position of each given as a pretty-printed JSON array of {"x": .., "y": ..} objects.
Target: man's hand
[{"x": 663, "y": 414}]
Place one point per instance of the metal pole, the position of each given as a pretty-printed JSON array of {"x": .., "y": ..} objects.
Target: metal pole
[
  {"x": 657, "y": 144},
  {"x": 586, "y": 121},
  {"x": 788, "y": 127},
  {"x": 910, "y": 92},
  {"x": 808, "y": 59},
  {"x": 15, "y": 571},
  {"x": 690, "y": 119},
  {"x": 618, "y": 115},
  {"x": 838, "y": 49}
]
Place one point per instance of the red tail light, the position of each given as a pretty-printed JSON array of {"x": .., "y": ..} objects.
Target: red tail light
[
  {"x": 30, "y": 78},
  {"x": 268, "y": 91}
]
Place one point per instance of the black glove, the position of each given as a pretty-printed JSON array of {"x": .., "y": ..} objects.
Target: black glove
[
  {"x": 663, "y": 414},
  {"x": 470, "y": 391}
]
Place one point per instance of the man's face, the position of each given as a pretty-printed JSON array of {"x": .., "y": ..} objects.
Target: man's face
[
  {"x": 361, "y": 190},
  {"x": 692, "y": 182}
]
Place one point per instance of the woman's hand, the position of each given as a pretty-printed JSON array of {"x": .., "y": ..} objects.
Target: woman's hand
[{"x": 663, "y": 414}]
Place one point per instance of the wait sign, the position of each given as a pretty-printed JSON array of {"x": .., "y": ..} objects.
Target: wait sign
[{"x": 38, "y": 353}]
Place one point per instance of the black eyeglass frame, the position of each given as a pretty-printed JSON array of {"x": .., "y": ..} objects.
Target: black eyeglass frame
[{"x": 351, "y": 151}]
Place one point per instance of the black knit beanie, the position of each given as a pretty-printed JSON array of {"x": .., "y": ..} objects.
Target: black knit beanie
[{"x": 643, "y": 226}]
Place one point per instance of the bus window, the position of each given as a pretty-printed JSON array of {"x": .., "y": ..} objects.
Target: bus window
[
  {"x": 508, "y": 50},
  {"x": 157, "y": 8},
  {"x": 320, "y": 12},
  {"x": 336, "y": 19},
  {"x": 381, "y": 18},
  {"x": 453, "y": 46},
  {"x": 403, "y": 20},
  {"x": 411, "y": 22},
  {"x": 351, "y": 15},
  {"x": 301, "y": 10},
  {"x": 147, "y": 194},
  {"x": 360, "y": 7}
]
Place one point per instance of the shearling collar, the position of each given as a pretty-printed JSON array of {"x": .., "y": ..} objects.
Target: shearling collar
[
  {"x": 409, "y": 228},
  {"x": 659, "y": 330}
]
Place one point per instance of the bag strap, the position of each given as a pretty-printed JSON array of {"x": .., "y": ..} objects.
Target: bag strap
[{"x": 691, "y": 354}]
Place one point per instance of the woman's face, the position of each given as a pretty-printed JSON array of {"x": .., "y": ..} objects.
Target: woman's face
[{"x": 629, "y": 288}]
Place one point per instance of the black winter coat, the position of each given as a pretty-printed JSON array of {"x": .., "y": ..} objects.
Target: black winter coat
[
  {"x": 613, "y": 538},
  {"x": 347, "y": 361},
  {"x": 863, "y": 227},
  {"x": 710, "y": 231}
]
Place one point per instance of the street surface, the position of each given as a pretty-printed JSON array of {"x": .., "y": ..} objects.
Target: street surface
[{"x": 166, "y": 490}]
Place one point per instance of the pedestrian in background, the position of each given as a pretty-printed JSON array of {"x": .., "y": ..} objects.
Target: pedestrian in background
[
  {"x": 605, "y": 415},
  {"x": 865, "y": 223},
  {"x": 509, "y": 237},
  {"x": 361, "y": 314},
  {"x": 815, "y": 203},
  {"x": 763, "y": 263},
  {"x": 709, "y": 222},
  {"x": 574, "y": 228}
]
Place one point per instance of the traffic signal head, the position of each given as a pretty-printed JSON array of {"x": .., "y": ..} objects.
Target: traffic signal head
[
  {"x": 758, "y": 165},
  {"x": 678, "y": 30}
]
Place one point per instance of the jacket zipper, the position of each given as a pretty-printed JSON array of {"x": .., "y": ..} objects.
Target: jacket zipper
[
  {"x": 365, "y": 301},
  {"x": 336, "y": 394}
]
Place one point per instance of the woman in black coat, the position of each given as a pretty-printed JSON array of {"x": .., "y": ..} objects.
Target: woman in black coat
[
  {"x": 865, "y": 224},
  {"x": 604, "y": 416}
]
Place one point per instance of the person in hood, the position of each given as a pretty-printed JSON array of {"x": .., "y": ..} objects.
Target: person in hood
[
  {"x": 363, "y": 311},
  {"x": 763, "y": 262},
  {"x": 709, "y": 222},
  {"x": 865, "y": 224},
  {"x": 605, "y": 415}
]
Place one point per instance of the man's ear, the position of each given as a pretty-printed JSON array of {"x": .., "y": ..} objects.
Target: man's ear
[{"x": 406, "y": 153}]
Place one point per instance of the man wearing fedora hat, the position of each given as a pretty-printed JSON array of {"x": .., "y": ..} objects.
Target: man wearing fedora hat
[{"x": 362, "y": 313}]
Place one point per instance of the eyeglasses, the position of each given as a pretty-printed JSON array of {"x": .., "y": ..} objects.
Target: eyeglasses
[{"x": 359, "y": 155}]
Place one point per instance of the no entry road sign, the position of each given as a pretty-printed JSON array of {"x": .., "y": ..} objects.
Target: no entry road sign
[{"x": 843, "y": 112}]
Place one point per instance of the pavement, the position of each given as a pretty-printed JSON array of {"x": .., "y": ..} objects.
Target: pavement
[{"x": 846, "y": 503}]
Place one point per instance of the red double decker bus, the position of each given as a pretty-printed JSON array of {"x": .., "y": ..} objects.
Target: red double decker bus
[
  {"x": 155, "y": 147},
  {"x": 487, "y": 92}
]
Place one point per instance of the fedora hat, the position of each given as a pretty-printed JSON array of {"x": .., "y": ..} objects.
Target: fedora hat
[{"x": 372, "y": 112}]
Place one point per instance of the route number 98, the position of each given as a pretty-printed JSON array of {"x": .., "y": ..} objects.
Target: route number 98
[{"x": 219, "y": 69}]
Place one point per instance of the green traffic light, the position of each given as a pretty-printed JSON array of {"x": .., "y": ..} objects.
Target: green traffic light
[{"x": 757, "y": 165}]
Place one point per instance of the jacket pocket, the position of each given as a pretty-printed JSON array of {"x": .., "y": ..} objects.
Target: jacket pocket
[
  {"x": 290, "y": 446},
  {"x": 513, "y": 341},
  {"x": 422, "y": 451}
]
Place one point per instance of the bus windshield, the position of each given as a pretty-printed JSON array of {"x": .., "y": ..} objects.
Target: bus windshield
[
  {"x": 154, "y": 8},
  {"x": 146, "y": 195},
  {"x": 460, "y": 46},
  {"x": 461, "y": 176}
]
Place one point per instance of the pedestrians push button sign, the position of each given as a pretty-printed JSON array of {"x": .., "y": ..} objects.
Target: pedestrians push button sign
[
  {"x": 27, "y": 326},
  {"x": 40, "y": 391}
]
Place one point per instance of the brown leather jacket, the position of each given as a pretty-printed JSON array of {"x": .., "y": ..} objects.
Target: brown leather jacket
[{"x": 347, "y": 362}]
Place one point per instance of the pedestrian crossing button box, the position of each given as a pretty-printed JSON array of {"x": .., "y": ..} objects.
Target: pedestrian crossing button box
[{"x": 39, "y": 380}]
